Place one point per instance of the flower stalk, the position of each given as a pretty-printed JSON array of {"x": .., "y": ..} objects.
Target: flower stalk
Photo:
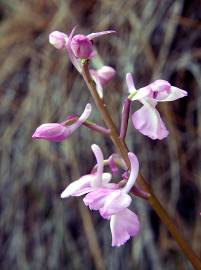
[
  {"x": 88, "y": 124},
  {"x": 122, "y": 149}
]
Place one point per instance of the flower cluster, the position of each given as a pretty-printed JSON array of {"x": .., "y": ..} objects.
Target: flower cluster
[{"x": 110, "y": 199}]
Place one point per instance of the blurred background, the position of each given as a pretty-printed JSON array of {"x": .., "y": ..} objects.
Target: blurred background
[{"x": 38, "y": 84}]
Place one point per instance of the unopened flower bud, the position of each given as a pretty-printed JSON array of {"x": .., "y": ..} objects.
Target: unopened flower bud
[
  {"x": 58, "y": 39},
  {"x": 82, "y": 47},
  {"x": 52, "y": 132},
  {"x": 105, "y": 74},
  {"x": 57, "y": 132}
]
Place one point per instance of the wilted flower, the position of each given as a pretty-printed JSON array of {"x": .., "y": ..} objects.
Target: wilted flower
[
  {"x": 57, "y": 132},
  {"x": 147, "y": 119}
]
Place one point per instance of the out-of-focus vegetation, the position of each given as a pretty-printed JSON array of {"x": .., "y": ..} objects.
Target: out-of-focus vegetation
[{"x": 155, "y": 39}]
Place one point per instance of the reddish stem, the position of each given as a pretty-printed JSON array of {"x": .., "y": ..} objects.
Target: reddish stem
[
  {"x": 125, "y": 117},
  {"x": 73, "y": 118}
]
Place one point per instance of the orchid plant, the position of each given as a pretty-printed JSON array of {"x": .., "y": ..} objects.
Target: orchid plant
[{"x": 112, "y": 199}]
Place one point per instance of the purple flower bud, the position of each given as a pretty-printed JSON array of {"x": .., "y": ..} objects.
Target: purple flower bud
[
  {"x": 105, "y": 74},
  {"x": 58, "y": 39},
  {"x": 52, "y": 132},
  {"x": 82, "y": 47},
  {"x": 56, "y": 132}
]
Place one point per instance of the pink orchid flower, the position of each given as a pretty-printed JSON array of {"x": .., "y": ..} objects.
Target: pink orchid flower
[
  {"x": 108, "y": 198},
  {"x": 147, "y": 119},
  {"x": 113, "y": 204},
  {"x": 102, "y": 77},
  {"x": 58, "y": 132}
]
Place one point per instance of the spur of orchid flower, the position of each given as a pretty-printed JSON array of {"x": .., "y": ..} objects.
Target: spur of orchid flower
[
  {"x": 110, "y": 199},
  {"x": 147, "y": 119},
  {"x": 57, "y": 132}
]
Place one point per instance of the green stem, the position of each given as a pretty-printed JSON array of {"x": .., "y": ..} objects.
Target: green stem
[{"x": 123, "y": 151}]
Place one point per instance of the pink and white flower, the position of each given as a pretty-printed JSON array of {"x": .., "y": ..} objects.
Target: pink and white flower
[
  {"x": 147, "y": 119},
  {"x": 111, "y": 200},
  {"x": 113, "y": 204},
  {"x": 58, "y": 132},
  {"x": 115, "y": 199}
]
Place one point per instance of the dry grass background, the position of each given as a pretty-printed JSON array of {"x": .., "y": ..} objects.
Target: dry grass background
[{"x": 38, "y": 84}]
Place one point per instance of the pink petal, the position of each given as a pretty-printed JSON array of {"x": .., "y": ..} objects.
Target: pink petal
[
  {"x": 140, "y": 93},
  {"x": 95, "y": 199},
  {"x": 123, "y": 225},
  {"x": 113, "y": 166},
  {"x": 147, "y": 120},
  {"x": 79, "y": 187},
  {"x": 71, "y": 55},
  {"x": 99, "y": 158},
  {"x": 115, "y": 202},
  {"x": 130, "y": 83},
  {"x": 133, "y": 174},
  {"x": 160, "y": 85},
  {"x": 136, "y": 94},
  {"x": 81, "y": 46},
  {"x": 98, "y": 34},
  {"x": 160, "y": 89},
  {"x": 175, "y": 93},
  {"x": 84, "y": 116}
]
